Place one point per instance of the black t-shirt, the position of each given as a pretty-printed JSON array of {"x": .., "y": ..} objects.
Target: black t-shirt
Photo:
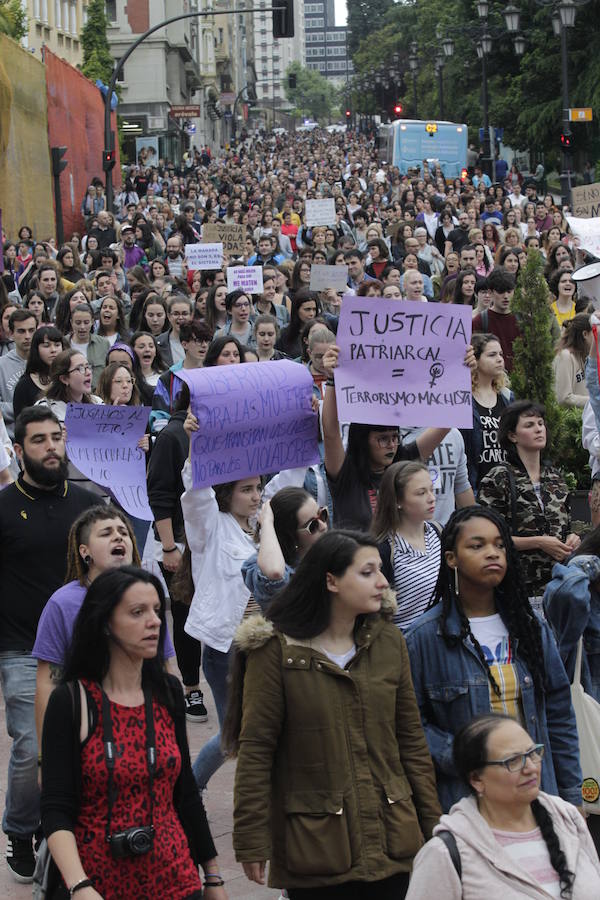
[
  {"x": 34, "y": 529},
  {"x": 459, "y": 238},
  {"x": 491, "y": 454},
  {"x": 354, "y": 504}
]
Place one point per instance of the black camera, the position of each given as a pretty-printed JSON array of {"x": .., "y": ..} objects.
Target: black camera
[{"x": 135, "y": 841}]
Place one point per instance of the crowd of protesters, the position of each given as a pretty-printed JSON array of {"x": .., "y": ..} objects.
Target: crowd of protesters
[{"x": 389, "y": 636}]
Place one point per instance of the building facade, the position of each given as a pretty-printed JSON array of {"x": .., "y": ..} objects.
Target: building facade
[
  {"x": 272, "y": 57},
  {"x": 326, "y": 46},
  {"x": 56, "y": 24}
]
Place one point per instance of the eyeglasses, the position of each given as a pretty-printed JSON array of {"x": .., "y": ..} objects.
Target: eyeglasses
[
  {"x": 387, "y": 440},
  {"x": 312, "y": 526},
  {"x": 518, "y": 762},
  {"x": 82, "y": 369},
  {"x": 241, "y": 306}
]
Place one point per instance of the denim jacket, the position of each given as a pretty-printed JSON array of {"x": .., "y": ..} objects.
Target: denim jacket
[
  {"x": 452, "y": 687},
  {"x": 572, "y": 607}
]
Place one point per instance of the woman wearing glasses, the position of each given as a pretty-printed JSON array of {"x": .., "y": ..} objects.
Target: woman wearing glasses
[
  {"x": 289, "y": 524},
  {"x": 512, "y": 840},
  {"x": 70, "y": 382},
  {"x": 239, "y": 321},
  {"x": 482, "y": 649}
]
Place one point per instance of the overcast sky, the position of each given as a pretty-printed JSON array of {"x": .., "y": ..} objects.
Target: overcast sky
[{"x": 340, "y": 12}]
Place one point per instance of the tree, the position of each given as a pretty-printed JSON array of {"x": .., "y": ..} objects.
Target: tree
[
  {"x": 313, "y": 95},
  {"x": 13, "y": 19},
  {"x": 97, "y": 60},
  {"x": 364, "y": 18}
]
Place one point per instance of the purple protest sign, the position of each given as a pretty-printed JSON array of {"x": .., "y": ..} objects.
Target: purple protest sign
[
  {"x": 401, "y": 363},
  {"x": 254, "y": 418},
  {"x": 102, "y": 443}
]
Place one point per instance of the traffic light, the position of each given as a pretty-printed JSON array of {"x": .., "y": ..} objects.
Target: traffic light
[
  {"x": 348, "y": 113},
  {"x": 398, "y": 109},
  {"x": 283, "y": 18},
  {"x": 58, "y": 163},
  {"x": 109, "y": 159},
  {"x": 566, "y": 141},
  {"x": 292, "y": 81}
]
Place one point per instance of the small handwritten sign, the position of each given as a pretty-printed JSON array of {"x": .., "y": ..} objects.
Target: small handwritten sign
[
  {"x": 585, "y": 201},
  {"x": 588, "y": 233},
  {"x": 252, "y": 420},
  {"x": 324, "y": 277},
  {"x": 204, "y": 256},
  {"x": 245, "y": 278},
  {"x": 320, "y": 212},
  {"x": 102, "y": 443},
  {"x": 231, "y": 236},
  {"x": 401, "y": 363}
]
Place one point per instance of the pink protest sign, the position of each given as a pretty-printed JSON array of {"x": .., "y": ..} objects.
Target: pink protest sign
[
  {"x": 254, "y": 418},
  {"x": 401, "y": 363},
  {"x": 102, "y": 441}
]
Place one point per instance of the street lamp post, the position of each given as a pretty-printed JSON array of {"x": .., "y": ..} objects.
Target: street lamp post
[
  {"x": 413, "y": 62},
  {"x": 439, "y": 71},
  {"x": 563, "y": 17}
]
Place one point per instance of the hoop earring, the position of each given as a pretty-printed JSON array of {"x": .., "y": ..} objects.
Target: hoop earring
[
  {"x": 456, "y": 590},
  {"x": 87, "y": 560}
]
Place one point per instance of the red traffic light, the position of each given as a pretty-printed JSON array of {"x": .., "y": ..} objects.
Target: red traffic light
[
  {"x": 565, "y": 140},
  {"x": 398, "y": 109},
  {"x": 109, "y": 159},
  {"x": 348, "y": 113}
]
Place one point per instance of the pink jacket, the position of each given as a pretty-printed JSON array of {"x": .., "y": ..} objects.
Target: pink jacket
[{"x": 487, "y": 869}]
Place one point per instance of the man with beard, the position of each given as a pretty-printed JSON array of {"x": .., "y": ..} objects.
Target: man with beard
[
  {"x": 36, "y": 513},
  {"x": 132, "y": 254}
]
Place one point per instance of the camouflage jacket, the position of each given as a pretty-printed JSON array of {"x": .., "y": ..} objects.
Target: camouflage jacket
[{"x": 530, "y": 519}]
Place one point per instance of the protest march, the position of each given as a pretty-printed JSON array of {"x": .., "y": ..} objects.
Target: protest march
[{"x": 300, "y": 467}]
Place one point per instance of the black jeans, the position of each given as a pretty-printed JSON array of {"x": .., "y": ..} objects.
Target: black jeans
[
  {"x": 393, "y": 888},
  {"x": 187, "y": 649}
]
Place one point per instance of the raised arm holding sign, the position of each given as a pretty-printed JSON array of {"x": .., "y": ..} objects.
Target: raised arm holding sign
[{"x": 252, "y": 420}]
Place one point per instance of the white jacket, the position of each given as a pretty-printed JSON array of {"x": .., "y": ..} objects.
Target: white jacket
[
  {"x": 488, "y": 871},
  {"x": 219, "y": 546}
]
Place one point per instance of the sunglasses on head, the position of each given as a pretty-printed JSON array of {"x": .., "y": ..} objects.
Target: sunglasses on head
[{"x": 312, "y": 526}]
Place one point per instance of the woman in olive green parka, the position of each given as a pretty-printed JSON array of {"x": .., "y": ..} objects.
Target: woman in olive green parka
[{"x": 334, "y": 782}]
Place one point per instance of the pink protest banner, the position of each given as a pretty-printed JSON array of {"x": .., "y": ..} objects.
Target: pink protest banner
[
  {"x": 254, "y": 418},
  {"x": 401, "y": 363},
  {"x": 102, "y": 442}
]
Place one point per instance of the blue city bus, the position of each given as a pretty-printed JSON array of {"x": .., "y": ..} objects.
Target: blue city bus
[{"x": 407, "y": 142}]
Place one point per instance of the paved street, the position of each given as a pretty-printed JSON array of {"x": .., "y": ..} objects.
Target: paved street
[{"x": 219, "y": 806}]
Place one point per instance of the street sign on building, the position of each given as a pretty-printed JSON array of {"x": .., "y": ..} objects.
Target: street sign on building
[
  {"x": 580, "y": 114},
  {"x": 227, "y": 98},
  {"x": 184, "y": 112}
]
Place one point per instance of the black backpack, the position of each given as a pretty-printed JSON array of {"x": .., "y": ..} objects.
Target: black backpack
[{"x": 450, "y": 841}]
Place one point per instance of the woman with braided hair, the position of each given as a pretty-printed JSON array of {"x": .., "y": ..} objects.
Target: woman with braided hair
[
  {"x": 512, "y": 840},
  {"x": 480, "y": 648}
]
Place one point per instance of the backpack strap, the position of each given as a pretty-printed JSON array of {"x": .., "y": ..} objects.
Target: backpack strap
[
  {"x": 485, "y": 319},
  {"x": 452, "y": 847},
  {"x": 512, "y": 487}
]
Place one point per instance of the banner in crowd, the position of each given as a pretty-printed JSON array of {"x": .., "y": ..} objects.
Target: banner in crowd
[
  {"x": 401, "y": 363},
  {"x": 204, "y": 256},
  {"x": 324, "y": 277},
  {"x": 320, "y": 212},
  {"x": 588, "y": 232},
  {"x": 253, "y": 419},
  {"x": 245, "y": 278},
  {"x": 102, "y": 442},
  {"x": 231, "y": 236}
]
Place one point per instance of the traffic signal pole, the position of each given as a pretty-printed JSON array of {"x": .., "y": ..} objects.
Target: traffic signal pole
[
  {"x": 280, "y": 9},
  {"x": 566, "y": 163}
]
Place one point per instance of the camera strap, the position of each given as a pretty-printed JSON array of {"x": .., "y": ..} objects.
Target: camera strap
[{"x": 110, "y": 753}]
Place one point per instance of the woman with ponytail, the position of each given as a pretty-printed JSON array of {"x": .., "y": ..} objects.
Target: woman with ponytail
[
  {"x": 480, "y": 648},
  {"x": 512, "y": 840}
]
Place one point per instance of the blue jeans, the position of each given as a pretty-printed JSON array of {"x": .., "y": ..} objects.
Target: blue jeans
[
  {"x": 215, "y": 666},
  {"x": 22, "y": 808}
]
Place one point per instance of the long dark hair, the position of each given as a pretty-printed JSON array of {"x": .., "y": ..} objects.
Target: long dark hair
[
  {"x": 301, "y": 610},
  {"x": 470, "y": 754},
  {"x": 357, "y": 452},
  {"x": 215, "y": 348},
  {"x": 35, "y": 364},
  {"x": 89, "y": 652},
  {"x": 514, "y": 606},
  {"x": 285, "y": 505},
  {"x": 61, "y": 364}
]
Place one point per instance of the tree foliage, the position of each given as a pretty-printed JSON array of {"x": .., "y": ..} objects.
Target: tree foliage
[
  {"x": 97, "y": 61},
  {"x": 13, "y": 19},
  {"x": 364, "y": 18},
  {"x": 313, "y": 95},
  {"x": 524, "y": 92}
]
